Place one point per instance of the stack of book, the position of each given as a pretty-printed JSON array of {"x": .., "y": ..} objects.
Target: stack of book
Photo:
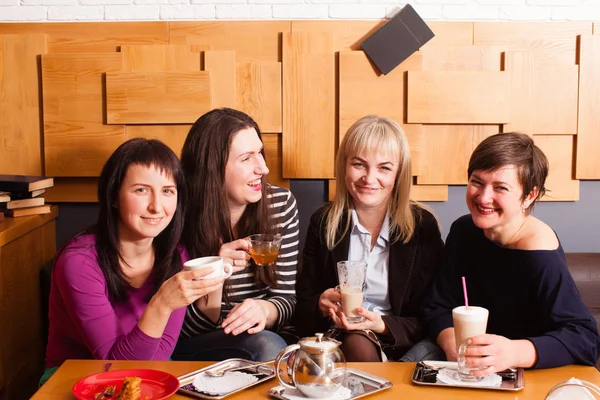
[{"x": 22, "y": 195}]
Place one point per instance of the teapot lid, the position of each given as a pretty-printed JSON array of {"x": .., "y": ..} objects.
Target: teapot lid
[{"x": 319, "y": 343}]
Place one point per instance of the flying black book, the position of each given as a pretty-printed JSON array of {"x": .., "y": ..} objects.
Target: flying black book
[
  {"x": 24, "y": 195},
  {"x": 24, "y": 183}
]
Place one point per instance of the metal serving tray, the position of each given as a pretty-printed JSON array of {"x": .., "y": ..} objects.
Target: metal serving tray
[
  {"x": 263, "y": 373},
  {"x": 425, "y": 373},
  {"x": 360, "y": 384}
]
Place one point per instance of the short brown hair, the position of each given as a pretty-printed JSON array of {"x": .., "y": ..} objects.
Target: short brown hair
[{"x": 516, "y": 149}]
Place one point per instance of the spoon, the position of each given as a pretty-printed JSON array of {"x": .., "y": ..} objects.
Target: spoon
[{"x": 216, "y": 373}]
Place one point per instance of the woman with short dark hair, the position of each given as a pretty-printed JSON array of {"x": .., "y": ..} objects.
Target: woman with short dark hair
[{"x": 514, "y": 266}]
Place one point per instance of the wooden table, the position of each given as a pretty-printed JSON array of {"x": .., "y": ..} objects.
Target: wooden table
[{"x": 537, "y": 383}]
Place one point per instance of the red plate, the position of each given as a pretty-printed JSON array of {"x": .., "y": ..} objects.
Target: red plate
[{"x": 156, "y": 385}]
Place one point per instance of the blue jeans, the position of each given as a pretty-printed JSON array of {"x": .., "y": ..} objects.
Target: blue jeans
[
  {"x": 426, "y": 349},
  {"x": 217, "y": 346}
]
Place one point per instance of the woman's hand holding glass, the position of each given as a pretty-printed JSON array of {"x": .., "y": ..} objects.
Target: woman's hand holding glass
[
  {"x": 330, "y": 300},
  {"x": 373, "y": 321},
  {"x": 185, "y": 287},
  {"x": 493, "y": 352},
  {"x": 249, "y": 315},
  {"x": 236, "y": 253}
]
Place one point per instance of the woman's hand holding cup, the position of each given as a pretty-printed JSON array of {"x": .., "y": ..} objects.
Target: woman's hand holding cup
[
  {"x": 236, "y": 253},
  {"x": 330, "y": 300}
]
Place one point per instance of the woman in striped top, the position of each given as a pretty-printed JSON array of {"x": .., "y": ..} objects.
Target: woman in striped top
[{"x": 229, "y": 199}]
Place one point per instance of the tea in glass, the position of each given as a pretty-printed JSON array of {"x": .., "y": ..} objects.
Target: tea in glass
[{"x": 264, "y": 248}]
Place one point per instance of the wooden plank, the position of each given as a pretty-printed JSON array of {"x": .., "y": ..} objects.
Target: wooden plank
[
  {"x": 253, "y": 41},
  {"x": 308, "y": 106},
  {"x": 171, "y": 135},
  {"x": 429, "y": 192},
  {"x": 73, "y": 190},
  {"x": 476, "y": 97},
  {"x": 76, "y": 140},
  {"x": 160, "y": 58},
  {"x": 363, "y": 91},
  {"x": 273, "y": 156},
  {"x": 521, "y": 65},
  {"x": 596, "y": 28},
  {"x": 259, "y": 94},
  {"x": 460, "y": 58},
  {"x": 93, "y": 37},
  {"x": 556, "y": 99},
  {"x": 551, "y": 42},
  {"x": 222, "y": 68},
  {"x": 445, "y": 152},
  {"x": 588, "y": 121},
  {"x": 560, "y": 184},
  {"x": 20, "y": 133},
  {"x": 348, "y": 35},
  {"x": 156, "y": 97}
]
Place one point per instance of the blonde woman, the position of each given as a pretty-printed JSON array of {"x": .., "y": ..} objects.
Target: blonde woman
[{"x": 371, "y": 219}]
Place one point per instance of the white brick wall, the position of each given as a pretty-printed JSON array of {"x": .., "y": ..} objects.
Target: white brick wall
[{"x": 453, "y": 10}]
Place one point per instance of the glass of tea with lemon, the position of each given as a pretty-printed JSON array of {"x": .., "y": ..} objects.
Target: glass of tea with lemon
[{"x": 264, "y": 248}]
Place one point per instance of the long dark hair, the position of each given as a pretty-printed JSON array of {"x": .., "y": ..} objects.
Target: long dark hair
[
  {"x": 208, "y": 220},
  {"x": 167, "y": 261}
]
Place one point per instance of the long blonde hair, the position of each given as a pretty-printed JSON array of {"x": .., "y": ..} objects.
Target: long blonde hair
[{"x": 373, "y": 133}]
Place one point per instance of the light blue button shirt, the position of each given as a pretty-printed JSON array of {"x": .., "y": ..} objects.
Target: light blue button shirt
[{"x": 376, "y": 298}]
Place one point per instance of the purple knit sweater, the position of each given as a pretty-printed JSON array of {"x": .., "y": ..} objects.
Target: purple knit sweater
[{"x": 84, "y": 324}]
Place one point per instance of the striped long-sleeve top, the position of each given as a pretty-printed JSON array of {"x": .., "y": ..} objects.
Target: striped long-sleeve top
[{"x": 284, "y": 218}]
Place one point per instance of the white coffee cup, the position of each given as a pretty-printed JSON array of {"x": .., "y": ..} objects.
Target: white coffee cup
[{"x": 221, "y": 269}]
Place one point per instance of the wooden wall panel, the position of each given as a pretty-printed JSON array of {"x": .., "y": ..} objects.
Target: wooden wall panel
[
  {"x": 156, "y": 97},
  {"x": 588, "y": 124},
  {"x": 560, "y": 184},
  {"x": 363, "y": 91},
  {"x": 556, "y": 99},
  {"x": 552, "y": 42},
  {"x": 222, "y": 68},
  {"x": 253, "y": 41},
  {"x": 457, "y": 97},
  {"x": 273, "y": 156},
  {"x": 521, "y": 65},
  {"x": 460, "y": 58},
  {"x": 596, "y": 28},
  {"x": 93, "y": 37},
  {"x": 308, "y": 106},
  {"x": 172, "y": 135},
  {"x": 160, "y": 58},
  {"x": 258, "y": 94},
  {"x": 76, "y": 190},
  {"x": 76, "y": 141},
  {"x": 20, "y": 133},
  {"x": 446, "y": 149}
]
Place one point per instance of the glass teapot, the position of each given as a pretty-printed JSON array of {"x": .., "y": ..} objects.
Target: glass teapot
[{"x": 316, "y": 366}]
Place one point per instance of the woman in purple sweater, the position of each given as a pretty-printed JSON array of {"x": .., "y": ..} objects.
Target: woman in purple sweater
[{"x": 118, "y": 290}]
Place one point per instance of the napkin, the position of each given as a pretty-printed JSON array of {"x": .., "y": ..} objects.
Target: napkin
[
  {"x": 342, "y": 393},
  {"x": 450, "y": 377},
  {"x": 220, "y": 385},
  {"x": 571, "y": 392}
]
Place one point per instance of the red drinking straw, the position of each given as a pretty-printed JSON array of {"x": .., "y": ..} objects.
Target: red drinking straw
[{"x": 465, "y": 293}]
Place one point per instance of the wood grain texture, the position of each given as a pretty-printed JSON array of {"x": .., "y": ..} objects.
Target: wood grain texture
[
  {"x": 222, "y": 68},
  {"x": 551, "y": 42},
  {"x": 557, "y": 88},
  {"x": 460, "y": 58},
  {"x": 457, "y": 97},
  {"x": 172, "y": 135},
  {"x": 308, "y": 106},
  {"x": 446, "y": 149},
  {"x": 156, "y": 97},
  {"x": 20, "y": 133},
  {"x": 596, "y": 28},
  {"x": 258, "y": 94},
  {"x": 560, "y": 184},
  {"x": 363, "y": 91},
  {"x": 93, "y": 37},
  {"x": 160, "y": 58},
  {"x": 252, "y": 41},
  {"x": 521, "y": 65},
  {"x": 588, "y": 122},
  {"x": 76, "y": 140},
  {"x": 73, "y": 190},
  {"x": 273, "y": 156}
]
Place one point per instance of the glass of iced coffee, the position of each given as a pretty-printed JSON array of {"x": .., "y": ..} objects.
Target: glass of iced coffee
[
  {"x": 468, "y": 322},
  {"x": 352, "y": 275}
]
